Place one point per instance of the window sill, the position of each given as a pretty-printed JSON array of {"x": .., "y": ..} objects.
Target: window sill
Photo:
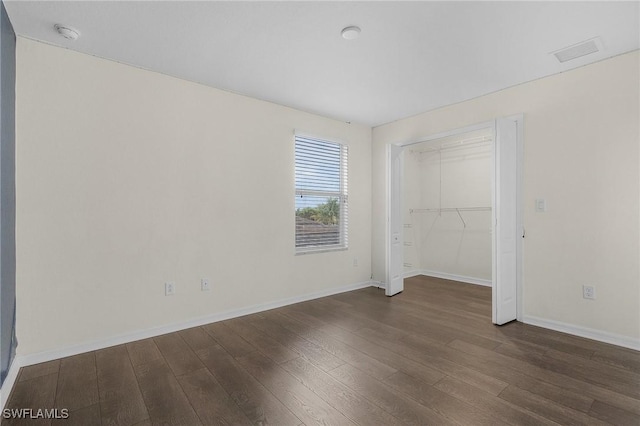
[{"x": 320, "y": 250}]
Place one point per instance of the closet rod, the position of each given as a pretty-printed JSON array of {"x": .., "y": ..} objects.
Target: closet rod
[{"x": 453, "y": 209}]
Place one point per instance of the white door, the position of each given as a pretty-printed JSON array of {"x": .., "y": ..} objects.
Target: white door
[
  {"x": 506, "y": 222},
  {"x": 395, "y": 277}
]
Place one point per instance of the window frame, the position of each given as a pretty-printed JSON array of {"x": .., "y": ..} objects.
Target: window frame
[{"x": 342, "y": 195}]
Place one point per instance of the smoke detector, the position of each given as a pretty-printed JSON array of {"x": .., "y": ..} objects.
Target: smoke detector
[
  {"x": 67, "y": 32},
  {"x": 578, "y": 50}
]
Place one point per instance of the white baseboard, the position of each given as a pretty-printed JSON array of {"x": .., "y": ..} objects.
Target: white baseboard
[
  {"x": 9, "y": 381},
  {"x": 378, "y": 284},
  {"x": 454, "y": 277},
  {"x": 589, "y": 333},
  {"x": 412, "y": 273},
  {"x": 36, "y": 358}
]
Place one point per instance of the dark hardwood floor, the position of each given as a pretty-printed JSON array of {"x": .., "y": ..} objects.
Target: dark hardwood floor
[{"x": 427, "y": 356}]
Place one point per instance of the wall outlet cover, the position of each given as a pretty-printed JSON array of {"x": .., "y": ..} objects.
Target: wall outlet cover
[
  {"x": 169, "y": 289},
  {"x": 588, "y": 292}
]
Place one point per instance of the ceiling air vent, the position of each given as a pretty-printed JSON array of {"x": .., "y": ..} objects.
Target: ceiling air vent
[{"x": 578, "y": 50}]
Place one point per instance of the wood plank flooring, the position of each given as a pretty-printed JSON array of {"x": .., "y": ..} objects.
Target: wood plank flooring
[{"x": 429, "y": 355}]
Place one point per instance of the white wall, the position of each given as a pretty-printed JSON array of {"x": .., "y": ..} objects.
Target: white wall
[
  {"x": 581, "y": 143},
  {"x": 128, "y": 178}
]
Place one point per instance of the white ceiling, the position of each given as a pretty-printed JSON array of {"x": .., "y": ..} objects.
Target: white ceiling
[{"x": 411, "y": 57}]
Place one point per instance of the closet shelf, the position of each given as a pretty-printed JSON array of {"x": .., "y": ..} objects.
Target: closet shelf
[{"x": 453, "y": 209}]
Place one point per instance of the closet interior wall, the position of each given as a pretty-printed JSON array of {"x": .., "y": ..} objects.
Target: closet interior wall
[{"x": 447, "y": 208}]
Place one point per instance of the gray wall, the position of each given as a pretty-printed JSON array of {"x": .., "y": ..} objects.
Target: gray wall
[{"x": 7, "y": 193}]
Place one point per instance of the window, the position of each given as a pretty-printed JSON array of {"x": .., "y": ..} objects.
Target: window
[{"x": 321, "y": 195}]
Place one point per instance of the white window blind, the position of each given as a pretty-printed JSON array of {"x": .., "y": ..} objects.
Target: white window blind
[{"x": 321, "y": 195}]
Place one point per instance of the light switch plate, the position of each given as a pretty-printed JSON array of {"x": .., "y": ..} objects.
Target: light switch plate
[
  {"x": 205, "y": 285},
  {"x": 541, "y": 205}
]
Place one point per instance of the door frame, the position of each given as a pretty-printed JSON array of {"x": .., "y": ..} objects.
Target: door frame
[{"x": 519, "y": 119}]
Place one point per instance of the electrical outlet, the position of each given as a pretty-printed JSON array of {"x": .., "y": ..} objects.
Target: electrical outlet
[
  {"x": 588, "y": 292},
  {"x": 169, "y": 289},
  {"x": 355, "y": 261},
  {"x": 204, "y": 284}
]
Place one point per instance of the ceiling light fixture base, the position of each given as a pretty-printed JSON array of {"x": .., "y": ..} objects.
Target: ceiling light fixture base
[
  {"x": 350, "y": 33},
  {"x": 67, "y": 32}
]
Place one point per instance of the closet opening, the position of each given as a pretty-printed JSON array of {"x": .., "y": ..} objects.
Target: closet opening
[
  {"x": 454, "y": 211},
  {"x": 447, "y": 208}
]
